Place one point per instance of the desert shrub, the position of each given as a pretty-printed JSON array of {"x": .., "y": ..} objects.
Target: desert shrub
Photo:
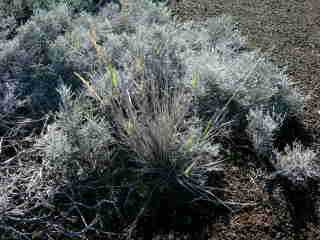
[
  {"x": 145, "y": 101},
  {"x": 7, "y": 29},
  {"x": 76, "y": 135},
  {"x": 298, "y": 163},
  {"x": 196, "y": 55},
  {"x": 25, "y": 69},
  {"x": 136, "y": 144},
  {"x": 111, "y": 30},
  {"x": 22, "y": 10},
  {"x": 203, "y": 54},
  {"x": 262, "y": 127},
  {"x": 297, "y": 172},
  {"x": 76, "y": 147},
  {"x": 252, "y": 82},
  {"x": 31, "y": 69}
]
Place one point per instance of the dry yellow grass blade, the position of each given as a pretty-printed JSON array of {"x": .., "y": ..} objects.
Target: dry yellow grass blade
[
  {"x": 93, "y": 39},
  {"x": 90, "y": 88}
]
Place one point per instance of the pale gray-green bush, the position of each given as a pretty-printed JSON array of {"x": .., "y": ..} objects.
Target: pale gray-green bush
[
  {"x": 22, "y": 10},
  {"x": 298, "y": 163},
  {"x": 78, "y": 142},
  {"x": 27, "y": 78},
  {"x": 262, "y": 127}
]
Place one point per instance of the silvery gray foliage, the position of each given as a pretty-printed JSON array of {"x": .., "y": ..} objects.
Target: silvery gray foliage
[
  {"x": 29, "y": 184},
  {"x": 297, "y": 170},
  {"x": 228, "y": 81},
  {"x": 125, "y": 50},
  {"x": 139, "y": 13},
  {"x": 298, "y": 163},
  {"x": 7, "y": 27},
  {"x": 228, "y": 66},
  {"x": 73, "y": 147},
  {"x": 262, "y": 128},
  {"x": 153, "y": 128},
  {"x": 78, "y": 142},
  {"x": 211, "y": 57},
  {"x": 22, "y": 10},
  {"x": 7, "y": 98},
  {"x": 24, "y": 61}
]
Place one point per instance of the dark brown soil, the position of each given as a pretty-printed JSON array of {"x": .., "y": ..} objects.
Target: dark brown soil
[
  {"x": 259, "y": 215},
  {"x": 256, "y": 215}
]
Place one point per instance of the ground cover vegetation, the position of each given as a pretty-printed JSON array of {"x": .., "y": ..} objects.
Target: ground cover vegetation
[{"x": 118, "y": 121}]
